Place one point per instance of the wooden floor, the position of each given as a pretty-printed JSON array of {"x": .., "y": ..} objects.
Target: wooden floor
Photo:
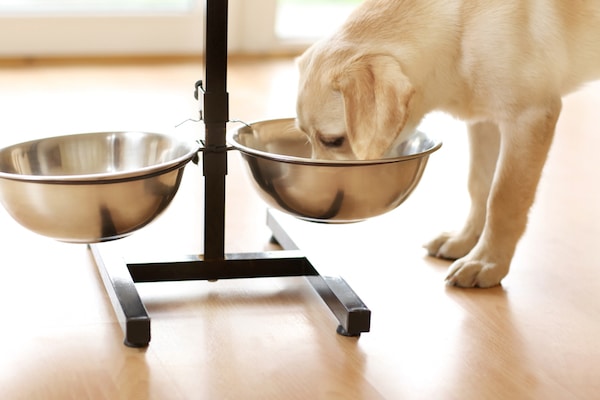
[{"x": 536, "y": 337}]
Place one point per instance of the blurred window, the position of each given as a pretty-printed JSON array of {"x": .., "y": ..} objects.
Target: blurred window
[
  {"x": 310, "y": 19},
  {"x": 93, "y": 6},
  {"x": 75, "y": 28}
]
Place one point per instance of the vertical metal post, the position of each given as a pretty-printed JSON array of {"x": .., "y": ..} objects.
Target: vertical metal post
[{"x": 216, "y": 115}]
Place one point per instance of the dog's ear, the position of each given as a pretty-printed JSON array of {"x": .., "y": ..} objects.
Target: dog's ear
[{"x": 376, "y": 95}]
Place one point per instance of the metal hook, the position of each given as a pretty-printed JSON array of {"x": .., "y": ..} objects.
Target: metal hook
[
  {"x": 200, "y": 119},
  {"x": 240, "y": 121},
  {"x": 198, "y": 88}
]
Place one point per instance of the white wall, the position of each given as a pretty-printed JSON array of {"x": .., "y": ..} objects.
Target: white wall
[
  {"x": 85, "y": 35},
  {"x": 251, "y": 27}
]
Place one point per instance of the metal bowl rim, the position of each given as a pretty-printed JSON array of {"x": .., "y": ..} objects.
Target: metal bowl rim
[
  {"x": 284, "y": 158},
  {"x": 105, "y": 177}
]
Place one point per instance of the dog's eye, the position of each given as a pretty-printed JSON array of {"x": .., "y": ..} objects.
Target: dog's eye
[{"x": 332, "y": 142}]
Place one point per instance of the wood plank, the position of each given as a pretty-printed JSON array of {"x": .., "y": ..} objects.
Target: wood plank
[{"x": 534, "y": 337}]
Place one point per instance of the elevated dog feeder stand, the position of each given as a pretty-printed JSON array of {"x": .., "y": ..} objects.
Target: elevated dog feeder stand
[{"x": 119, "y": 276}]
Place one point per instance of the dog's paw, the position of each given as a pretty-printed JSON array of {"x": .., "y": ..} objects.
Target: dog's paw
[
  {"x": 467, "y": 272},
  {"x": 451, "y": 246}
]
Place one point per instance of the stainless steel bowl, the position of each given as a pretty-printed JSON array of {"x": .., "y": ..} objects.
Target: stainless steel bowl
[
  {"x": 91, "y": 187},
  {"x": 279, "y": 160}
]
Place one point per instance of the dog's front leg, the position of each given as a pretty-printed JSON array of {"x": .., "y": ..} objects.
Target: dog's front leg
[
  {"x": 484, "y": 142},
  {"x": 525, "y": 142}
]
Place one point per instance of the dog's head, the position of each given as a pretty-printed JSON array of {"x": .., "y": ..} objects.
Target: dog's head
[{"x": 351, "y": 106}]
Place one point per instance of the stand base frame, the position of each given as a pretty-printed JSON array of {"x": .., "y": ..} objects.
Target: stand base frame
[{"x": 119, "y": 278}]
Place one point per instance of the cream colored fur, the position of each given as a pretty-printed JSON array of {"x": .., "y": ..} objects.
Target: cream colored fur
[{"x": 500, "y": 65}]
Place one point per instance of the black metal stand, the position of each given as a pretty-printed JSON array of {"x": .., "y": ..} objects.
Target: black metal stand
[{"x": 119, "y": 276}]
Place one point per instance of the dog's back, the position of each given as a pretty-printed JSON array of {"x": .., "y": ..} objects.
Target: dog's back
[
  {"x": 522, "y": 41},
  {"x": 491, "y": 44}
]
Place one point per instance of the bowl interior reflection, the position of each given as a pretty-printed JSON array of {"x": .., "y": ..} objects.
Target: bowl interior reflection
[
  {"x": 92, "y": 187},
  {"x": 278, "y": 158}
]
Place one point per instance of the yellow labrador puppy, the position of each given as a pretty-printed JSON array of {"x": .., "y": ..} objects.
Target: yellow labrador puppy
[{"x": 501, "y": 65}]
